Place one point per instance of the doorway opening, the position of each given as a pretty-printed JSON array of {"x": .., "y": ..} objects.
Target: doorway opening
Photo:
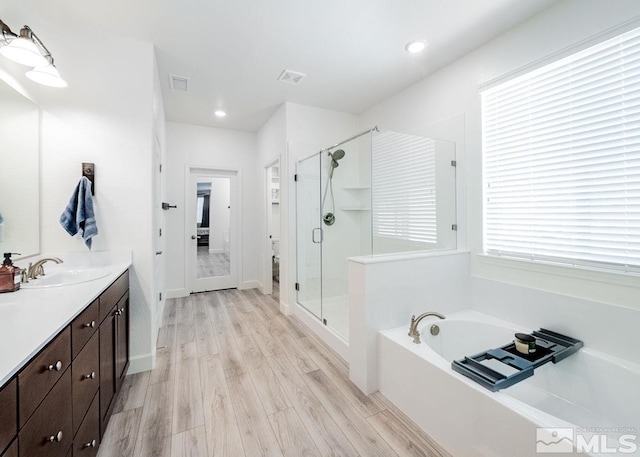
[{"x": 272, "y": 247}]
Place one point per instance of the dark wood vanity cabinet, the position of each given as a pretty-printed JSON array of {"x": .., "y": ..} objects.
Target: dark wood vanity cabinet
[
  {"x": 12, "y": 451},
  {"x": 59, "y": 403},
  {"x": 114, "y": 345},
  {"x": 8, "y": 414}
]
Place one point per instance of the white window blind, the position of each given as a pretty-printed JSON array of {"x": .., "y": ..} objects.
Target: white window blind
[
  {"x": 404, "y": 187},
  {"x": 561, "y": 161}
]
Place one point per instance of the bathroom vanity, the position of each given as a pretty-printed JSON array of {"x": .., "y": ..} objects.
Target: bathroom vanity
[{"x": 64, "y": 354}]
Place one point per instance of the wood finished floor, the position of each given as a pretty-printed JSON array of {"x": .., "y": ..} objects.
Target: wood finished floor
[
  {"x": 235, "y": 377},
  {"x": 212, "y": 264}
]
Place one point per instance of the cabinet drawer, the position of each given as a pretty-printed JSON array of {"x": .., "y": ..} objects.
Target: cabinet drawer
[
  {"x": 85, "y": 371},
  {"x": 112, "y": 295},
  {"x": 12, "y": 451},
  {"x": 49, "y": 432},
  {"x": 87, "y": 440},
  {"x": 35, "y": 381},
  {"x": 84, "y": 326},
  {"x": 8, "y": 413}
]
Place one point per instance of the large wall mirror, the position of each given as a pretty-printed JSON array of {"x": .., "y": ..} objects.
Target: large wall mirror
[{"x": 19, "y": 173}]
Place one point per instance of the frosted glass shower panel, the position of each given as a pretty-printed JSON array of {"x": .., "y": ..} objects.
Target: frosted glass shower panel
[{"x": 413, "y": 193}]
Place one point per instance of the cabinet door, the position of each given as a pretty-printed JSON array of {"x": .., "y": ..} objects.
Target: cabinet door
[
  {"x": 87, "y": 439},
  {"x": 49, "y": 432},
  {"x": 84, "y": 327},
  {"x": 107, "y": 367},
  {"x": 86, "y": 379},
  {"x": 8, "y": 413},
  {"x": 39, "y": 376},
  {"x": 122, "y": 340},
  {"x": 12, "y": 451}
]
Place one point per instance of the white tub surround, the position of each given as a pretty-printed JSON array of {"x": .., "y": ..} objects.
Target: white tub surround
[
  {"x": 384, "y": 291},
  {"x": 30, "y": 318},
  {"x": 587, "y": 390}
]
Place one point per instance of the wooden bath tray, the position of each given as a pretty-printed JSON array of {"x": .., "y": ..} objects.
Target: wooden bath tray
[{"x": 505, "y": 366}]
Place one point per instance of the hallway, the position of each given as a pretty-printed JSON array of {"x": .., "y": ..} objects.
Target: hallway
[{"x": 235, "y": 377}]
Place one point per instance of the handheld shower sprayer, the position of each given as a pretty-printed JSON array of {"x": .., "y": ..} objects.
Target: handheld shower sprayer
[{"x": 329, "y": 218}]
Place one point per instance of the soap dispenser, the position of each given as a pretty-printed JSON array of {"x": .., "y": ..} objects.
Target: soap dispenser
[{"x": 9, "y": 275}]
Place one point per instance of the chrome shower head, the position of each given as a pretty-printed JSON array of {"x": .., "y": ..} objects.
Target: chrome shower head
[{"x": 337, "y": 155}]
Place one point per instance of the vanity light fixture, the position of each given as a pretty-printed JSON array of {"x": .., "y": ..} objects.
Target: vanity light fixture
[
  {"x": 415, "y": 46},
  {"x": 220, "y": 113},
  {"x": 27, "y": 49}
]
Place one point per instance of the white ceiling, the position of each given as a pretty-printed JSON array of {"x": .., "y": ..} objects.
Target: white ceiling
[{"x": 352, "y": 50}]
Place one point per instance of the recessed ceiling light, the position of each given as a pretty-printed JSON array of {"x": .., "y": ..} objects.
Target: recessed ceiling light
[
  {"x": 220, "y": 113},
  {"x": 416, "y": 46}
]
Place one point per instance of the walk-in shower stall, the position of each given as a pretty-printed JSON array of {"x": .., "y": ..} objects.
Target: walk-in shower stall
[{"x": 378, "y": 192}]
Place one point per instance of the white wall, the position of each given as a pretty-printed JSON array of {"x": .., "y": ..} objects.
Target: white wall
[
  {"x": 385, "y": 291},
  {"x": 452, "y": 93},
  {"x": 105, "y": 117},
  {"x": 207, "y": 147},
  {"x": 272, "y": 145}
]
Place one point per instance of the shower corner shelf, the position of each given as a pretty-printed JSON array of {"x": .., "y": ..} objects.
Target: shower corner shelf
[
  {"x": 355, "y": 208},
  {"x": 356, "y": 187},
  {"x": 550, "y": 347}
]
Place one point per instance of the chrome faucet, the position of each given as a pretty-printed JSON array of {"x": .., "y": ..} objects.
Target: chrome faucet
[
  {"x": 413, "y": 328},
  {"x": 37, "y": 268}
]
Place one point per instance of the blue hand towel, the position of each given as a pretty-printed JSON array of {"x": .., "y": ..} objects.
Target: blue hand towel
[{"x": 78, "y": 215}]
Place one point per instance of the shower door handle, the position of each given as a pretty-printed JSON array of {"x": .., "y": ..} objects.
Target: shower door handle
[{"x": 313, "y": 235}]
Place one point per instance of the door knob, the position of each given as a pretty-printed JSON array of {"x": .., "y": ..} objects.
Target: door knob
[
  {"x": 158, "y": 252},
  {"x": 56, "y": 367},
  {"x": 193, "y": 237}
]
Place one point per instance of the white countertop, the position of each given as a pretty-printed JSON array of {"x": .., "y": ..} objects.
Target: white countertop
[{"x": 31, "y": 318}]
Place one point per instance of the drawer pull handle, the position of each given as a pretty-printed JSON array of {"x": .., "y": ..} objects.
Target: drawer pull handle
[
  {"x": 119, "y": 312},
  {"x": 91, "y": 444},
  {"x": 56, "y": 367},
  {"x": 91, "y": 324},
  {"x": 57, "y": 437},
  {"x": 91, "y": 375}
]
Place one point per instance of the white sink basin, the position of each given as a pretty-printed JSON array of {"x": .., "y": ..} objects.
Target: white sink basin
[{"x": 66, "y": 278}]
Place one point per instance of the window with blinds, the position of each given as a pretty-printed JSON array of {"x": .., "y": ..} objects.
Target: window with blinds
[
  {"x": 561, "y": 160},
  {"x": 404, "y": 187}
]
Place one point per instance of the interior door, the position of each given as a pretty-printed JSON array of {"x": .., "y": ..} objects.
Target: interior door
[
  {"x": 309, "y": 235},
  {"x": 158, "y": 239},
  {"x": 212, "y": 229}
]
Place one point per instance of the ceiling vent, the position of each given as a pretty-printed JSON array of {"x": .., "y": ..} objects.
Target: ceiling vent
[
  {"x": 291, "y": 77},
  {"x": 179, "y": 83}
]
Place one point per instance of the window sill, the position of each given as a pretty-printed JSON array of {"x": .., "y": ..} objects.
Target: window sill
[{"x": 570, "y": 271}]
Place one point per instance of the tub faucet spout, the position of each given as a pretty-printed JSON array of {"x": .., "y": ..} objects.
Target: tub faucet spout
[{"x": 413, "y": 328}]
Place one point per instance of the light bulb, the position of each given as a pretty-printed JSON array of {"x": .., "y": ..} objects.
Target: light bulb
[
  {"x": 25, "y": 52},
  {"x": 48, "y": 76}
]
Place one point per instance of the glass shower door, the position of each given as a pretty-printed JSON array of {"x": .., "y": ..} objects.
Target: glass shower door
[{"x": 309, "y": 235}]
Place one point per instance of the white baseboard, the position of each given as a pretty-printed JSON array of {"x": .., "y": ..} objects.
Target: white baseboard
[
  {"x": 140, "y": 363},
  {"x": 285, "y": 309},
  {"x": 177, "y": 293},
  {"x": 336, "y": 342},
  {"x": 253, "y": 284}
]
